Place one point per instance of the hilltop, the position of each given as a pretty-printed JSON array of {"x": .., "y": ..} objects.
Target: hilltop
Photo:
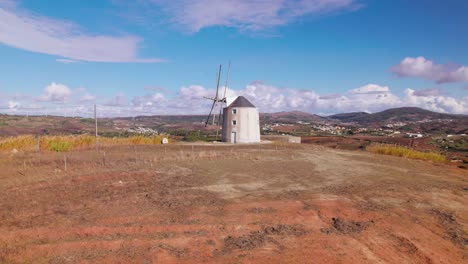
[
  {"x": 409, "y": 119},
  {"x": 402, "y": 114},
  {"x": 348, "y": 116},
  {"x": 290, "y": 117}
]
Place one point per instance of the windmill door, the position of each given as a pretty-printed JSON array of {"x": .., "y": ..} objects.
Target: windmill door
[{"x": 233, "y": 137}]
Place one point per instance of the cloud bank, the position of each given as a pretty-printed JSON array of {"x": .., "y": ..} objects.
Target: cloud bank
[
  {"x": 268, "y": 98},
  {"x": 420, "y": 67}
]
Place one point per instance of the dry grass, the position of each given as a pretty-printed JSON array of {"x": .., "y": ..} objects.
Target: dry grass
[
  {"x": 68, "y": 143},
  {"x": 400, "y": 151},
  {"x": 25, "y": 143}
]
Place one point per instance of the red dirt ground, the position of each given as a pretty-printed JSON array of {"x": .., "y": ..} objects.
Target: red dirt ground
[
  {"x": 230, "y": 204},
  {"x": 359, "y": 141}
]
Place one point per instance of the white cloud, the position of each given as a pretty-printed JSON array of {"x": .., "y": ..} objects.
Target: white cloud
[
  {"x": 268, "y": 98},
  {"x": 250, "y": 15},
  {"x": 56, "y": 92},
  {"x": 87, "y": 97},
  {"x": 420, "y": 67},
  {"x": 61, "y": 38},
  {"x": 193, "y": 92},
  {"x": 428, "y": 92},
  {"x": 371, "y": 89},
  {"x": 119, "y": 100},
  {"x": 329, "y": 96},
  {"x": 12, "y": 105},
  {"x": 66, "y": 61},
  {"x": 192, "y": 97},
  {"x": 437, "y": 102},
  {"x": 264, "y": 96},
  {"x": 369, "y": 98},
  {"x": 149, "y": 100}
]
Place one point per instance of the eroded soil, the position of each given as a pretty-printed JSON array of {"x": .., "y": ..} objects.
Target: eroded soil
[{"x": 230, "y": 204}]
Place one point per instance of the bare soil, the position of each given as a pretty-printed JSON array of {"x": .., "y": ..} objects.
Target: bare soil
[
  {"x": 230, "y": 204},
  {"x": 361, "y": 141}
]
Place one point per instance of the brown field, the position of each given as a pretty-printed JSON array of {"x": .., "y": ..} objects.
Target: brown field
[
  {"x": 230, "y": 204},
  {"x": 360, "y": 141},
  {"x": 335, "y": 142}
]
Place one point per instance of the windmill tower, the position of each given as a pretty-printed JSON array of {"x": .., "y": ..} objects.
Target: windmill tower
[{"x": 241, "y": 122}]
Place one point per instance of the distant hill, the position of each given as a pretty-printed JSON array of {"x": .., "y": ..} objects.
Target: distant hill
[
  {"x": 290, "y": 117},
  {"x": 402, "y": 114},
  {"x": 11, "y": 125},
  {"x": 165, "y": 119},
  {"x": 348, "y": 116},
  {"x": 417, "y": 119}
]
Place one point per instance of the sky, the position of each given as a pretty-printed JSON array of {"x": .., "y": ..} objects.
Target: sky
[{"x": 151, "y": 57}]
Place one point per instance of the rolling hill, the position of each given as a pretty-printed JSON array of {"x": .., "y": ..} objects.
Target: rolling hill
[
  {"x": 348, "y": 116},
  {"x": 417, "y": 119},
  {"x": 402, "y": 114},
  {"x": 290, "y": 117}
]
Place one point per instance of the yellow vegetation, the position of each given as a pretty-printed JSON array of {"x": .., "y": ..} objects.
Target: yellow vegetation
[
  {"x": 67, "y": 143},
  {"x": 400, "y": 151},
  {"x": 20, "y": 143}
]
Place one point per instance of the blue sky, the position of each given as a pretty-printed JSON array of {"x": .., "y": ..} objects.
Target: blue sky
[{"x": 160, "y": 57}]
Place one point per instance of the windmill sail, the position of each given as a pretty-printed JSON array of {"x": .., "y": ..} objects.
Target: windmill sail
[
  {"x": 223, "y": 99},
  {"x": 215, "y": 100},
  {"x": 209, "y": 115}
]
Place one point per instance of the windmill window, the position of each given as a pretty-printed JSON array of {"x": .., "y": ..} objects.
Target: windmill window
[
  {"x": 234, "y": 122},
  {"x": 234, "y": 111}
]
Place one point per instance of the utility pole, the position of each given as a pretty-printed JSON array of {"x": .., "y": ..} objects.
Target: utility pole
[{"x": 95, "y": 122}]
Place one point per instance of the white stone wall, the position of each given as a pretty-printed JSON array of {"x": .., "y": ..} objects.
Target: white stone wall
[{"x": 247, "y": 127}]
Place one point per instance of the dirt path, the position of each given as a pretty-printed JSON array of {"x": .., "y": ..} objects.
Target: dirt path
[{"x": 230, "y": 204}]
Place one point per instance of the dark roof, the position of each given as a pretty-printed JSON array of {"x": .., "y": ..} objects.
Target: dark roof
[{"x": 241, "y": 101}]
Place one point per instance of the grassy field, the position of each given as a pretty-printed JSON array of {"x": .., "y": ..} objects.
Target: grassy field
[{"x": 68, "y": 143}]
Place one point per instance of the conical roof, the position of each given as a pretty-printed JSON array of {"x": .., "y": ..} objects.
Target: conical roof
[{"x": 241, "y": 101}]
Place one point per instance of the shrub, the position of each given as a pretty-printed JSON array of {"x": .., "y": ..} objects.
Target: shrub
[
  {"x": 400, "y": 151},
  {"x": 60, "y": 146}
]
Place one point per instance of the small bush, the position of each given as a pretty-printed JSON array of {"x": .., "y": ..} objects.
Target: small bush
[
  {"x": 400, "y": 151},
  {"x": 60, "y": 146},
  {"x": 195, "y": 137}
]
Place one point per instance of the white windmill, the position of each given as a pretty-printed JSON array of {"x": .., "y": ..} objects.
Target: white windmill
[{"x": 241, "y": 122}]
